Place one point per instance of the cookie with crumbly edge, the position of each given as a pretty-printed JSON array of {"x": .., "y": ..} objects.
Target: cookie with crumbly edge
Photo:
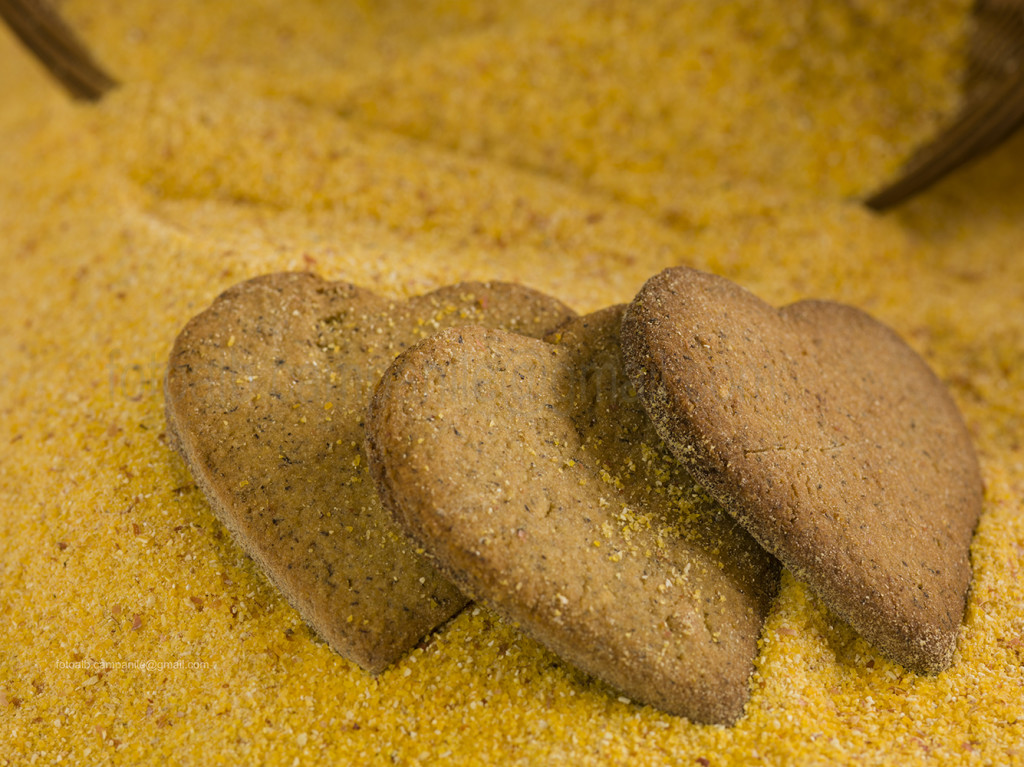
[
  {"x": 531, "y": 474},
  {"x": 829, "y": 439},
  {"x": 266, "y": 393}
]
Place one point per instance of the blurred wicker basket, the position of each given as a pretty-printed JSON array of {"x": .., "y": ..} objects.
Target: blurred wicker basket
[
  {"x": 43, "y": 31},
  {"x": 993, "y": 104}
]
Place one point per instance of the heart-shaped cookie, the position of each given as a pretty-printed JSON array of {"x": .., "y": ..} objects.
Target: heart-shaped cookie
[
  {"x": 531, "y": 473},
  {"x": 266, "y": 394},
  {"x": 829, "y": 439}
]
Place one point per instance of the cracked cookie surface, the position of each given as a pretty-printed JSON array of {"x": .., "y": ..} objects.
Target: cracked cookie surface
[{"x": 829, "y": 439}]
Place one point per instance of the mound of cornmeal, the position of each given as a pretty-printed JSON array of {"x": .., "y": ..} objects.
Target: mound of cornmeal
[{"x": 402, "y": 147}]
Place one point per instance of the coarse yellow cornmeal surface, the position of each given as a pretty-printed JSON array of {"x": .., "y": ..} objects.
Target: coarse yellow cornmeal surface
[{"x": 576, "y": 147}]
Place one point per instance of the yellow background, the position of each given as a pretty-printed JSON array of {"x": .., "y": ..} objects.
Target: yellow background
[{"x": 578, "y": 149}]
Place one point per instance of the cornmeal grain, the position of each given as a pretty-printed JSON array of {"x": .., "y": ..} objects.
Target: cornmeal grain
[{"x": 403, "y": 148}]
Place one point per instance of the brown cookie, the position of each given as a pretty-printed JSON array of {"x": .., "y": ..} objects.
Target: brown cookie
[
  {"x": 829, "y": 439},
  {"x": 266, "y": 395},
  {"x": 530, "y": 471}
]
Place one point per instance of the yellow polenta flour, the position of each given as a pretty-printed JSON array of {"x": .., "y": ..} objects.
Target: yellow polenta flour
[{"x": 578, "y": 150}]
